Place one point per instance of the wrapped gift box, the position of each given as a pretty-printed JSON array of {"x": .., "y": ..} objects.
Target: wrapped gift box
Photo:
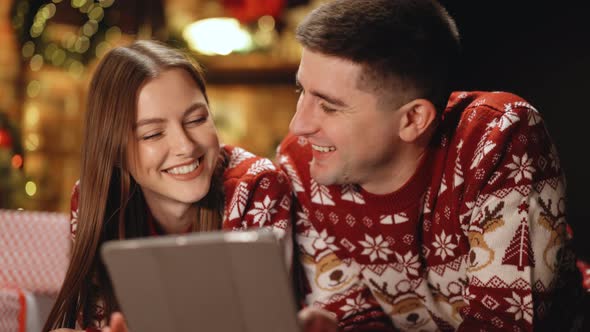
[{"x": 34, "y": 256}]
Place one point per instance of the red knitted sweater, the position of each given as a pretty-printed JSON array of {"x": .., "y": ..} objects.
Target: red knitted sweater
[{"x": 470, "y": 242}]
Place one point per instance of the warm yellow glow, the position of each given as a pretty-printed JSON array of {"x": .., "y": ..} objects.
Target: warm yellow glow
[
  {"x": 217, "y": 36},
  {"x": 78, "y": 3},
  {"x": 90, "y": 28},
  {"x": 31, "y": 117},
  {"x": 105, "y": 3},
  {"x": 31, "y": 188},
  {"x": 49, "y": 50},
  {"x": 69, "y": 41},
  {"x": 76, "y": 69},
  {"x": 96, "y": 14},
  {"x": 102, "y": 49},
  {"x": 82, "y": 44},
  {"x": 32, "y": 142},
  {"x": 58, "y": 57},
  {"x": 28, "y": 49},
  {"x": 48, "y": 11},
  {"x": 33, "y": 88},
  {"x": 36, "y": 30},
  {"x": 113, "y": 34},
  {"x": 36, "y": 62},
  {"x": 266, "y": 23}
]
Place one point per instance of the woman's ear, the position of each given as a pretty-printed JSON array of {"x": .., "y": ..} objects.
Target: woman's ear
[{"x": 416, "y": 118}]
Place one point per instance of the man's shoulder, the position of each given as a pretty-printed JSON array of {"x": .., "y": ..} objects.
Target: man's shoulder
[
  {"x": 495, "y": 102},
  {"x": 479, "y": 112}
]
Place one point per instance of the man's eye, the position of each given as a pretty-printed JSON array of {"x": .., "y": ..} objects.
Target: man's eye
[{"x": 328, "y": 109}]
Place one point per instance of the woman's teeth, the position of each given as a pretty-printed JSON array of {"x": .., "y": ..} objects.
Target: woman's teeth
[
  {"x": 184, "y": 169},
  {"x": 323, "y": 148}
]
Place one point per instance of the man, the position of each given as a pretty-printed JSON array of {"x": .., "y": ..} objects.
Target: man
[{"x": 414, "y": 213}]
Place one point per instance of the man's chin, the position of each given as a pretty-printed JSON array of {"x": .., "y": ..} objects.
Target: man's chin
[{"x": 322, "y": 176}]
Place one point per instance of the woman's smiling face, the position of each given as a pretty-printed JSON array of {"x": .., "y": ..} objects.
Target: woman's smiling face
[{"x": 174, "y": 148}]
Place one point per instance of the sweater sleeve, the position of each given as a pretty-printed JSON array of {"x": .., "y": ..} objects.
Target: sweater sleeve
[
  {"x": 515, "y": 223},
  {"x": 74, "y": 208},
  {"x": 261, "y": 200}
]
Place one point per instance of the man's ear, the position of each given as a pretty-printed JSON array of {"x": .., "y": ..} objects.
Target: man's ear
[{"x": 417, "y": 116}]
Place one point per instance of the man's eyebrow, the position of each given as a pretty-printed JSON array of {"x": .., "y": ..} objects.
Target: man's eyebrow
[
  {"x": 321, "y": 95},
  {"x": 192, "y": 108}
]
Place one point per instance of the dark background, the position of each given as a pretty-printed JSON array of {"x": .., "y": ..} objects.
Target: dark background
[{"x": 539, "y": 50}]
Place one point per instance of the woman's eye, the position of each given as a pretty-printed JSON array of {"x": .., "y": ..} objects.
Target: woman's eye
[
  {"x": 196, "y": 121},
  {"x": 151, "y": 136}
]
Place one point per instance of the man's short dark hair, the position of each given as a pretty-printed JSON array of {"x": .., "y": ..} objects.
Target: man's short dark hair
[{"x": 406, "y": 46}]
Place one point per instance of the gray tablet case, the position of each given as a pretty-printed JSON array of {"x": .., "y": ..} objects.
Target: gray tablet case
[{"x": 221, "y": 281}]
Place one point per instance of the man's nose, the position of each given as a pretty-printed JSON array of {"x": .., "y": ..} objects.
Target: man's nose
[{"x": 303, "y": 122}]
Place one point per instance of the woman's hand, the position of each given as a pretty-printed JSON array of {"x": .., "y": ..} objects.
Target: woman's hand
[
  {"x": 117, "y": 324},
  {"x": 317, "y": 320}
]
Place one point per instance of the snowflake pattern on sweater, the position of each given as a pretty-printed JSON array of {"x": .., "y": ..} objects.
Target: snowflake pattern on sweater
[
  {"x": 257, "y": 194},
  {"x": 470, "y": 243}
]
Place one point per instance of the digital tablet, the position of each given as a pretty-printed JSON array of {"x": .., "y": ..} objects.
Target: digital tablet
[{"x": 217, "y": 281}]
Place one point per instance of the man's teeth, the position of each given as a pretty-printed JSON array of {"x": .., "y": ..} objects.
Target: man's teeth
[
  {"x": 323, "y": 148},
  {"x": 184, "y": 169}
]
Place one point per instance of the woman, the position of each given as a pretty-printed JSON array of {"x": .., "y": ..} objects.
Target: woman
[{"x": 152, "y": 164}]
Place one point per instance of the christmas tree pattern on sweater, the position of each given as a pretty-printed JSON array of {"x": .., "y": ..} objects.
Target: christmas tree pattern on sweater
[{"x": 470, "y": 242}]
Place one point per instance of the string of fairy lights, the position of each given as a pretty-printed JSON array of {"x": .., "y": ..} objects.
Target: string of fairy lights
[
  {"x": 47, "y": 42},
  {"x": 62, "y": 47}
]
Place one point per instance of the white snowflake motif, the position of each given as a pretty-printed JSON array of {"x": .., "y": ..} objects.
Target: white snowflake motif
[
  {"x": 508, "y": 119},
  {"x": 521, "y": 307},
  {"x": 409, "y": 261},
  {"x": 353, "y": 306},
  {"x": 521, "y": 168},
  {"x": 443, "y": 245},
  {"x": 375, "y": 247},
  {"x": 327, "y": 240},
  {"x": 262, "y": 211}
]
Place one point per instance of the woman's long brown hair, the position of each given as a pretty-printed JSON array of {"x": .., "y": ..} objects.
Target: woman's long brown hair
[{"x": 111, "y": 205}]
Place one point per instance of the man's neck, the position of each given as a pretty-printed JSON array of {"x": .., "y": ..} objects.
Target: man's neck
[{"x": 393, "y": 178}]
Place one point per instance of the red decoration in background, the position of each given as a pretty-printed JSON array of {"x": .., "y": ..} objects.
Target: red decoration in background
[
  {"x": 250, "y": 10},
  {"x": 5, "y": 139},
  {"x": 585, "y": 270}
]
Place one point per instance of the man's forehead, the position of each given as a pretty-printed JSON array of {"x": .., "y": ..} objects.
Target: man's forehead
[{"x": 327, "y": 69}]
